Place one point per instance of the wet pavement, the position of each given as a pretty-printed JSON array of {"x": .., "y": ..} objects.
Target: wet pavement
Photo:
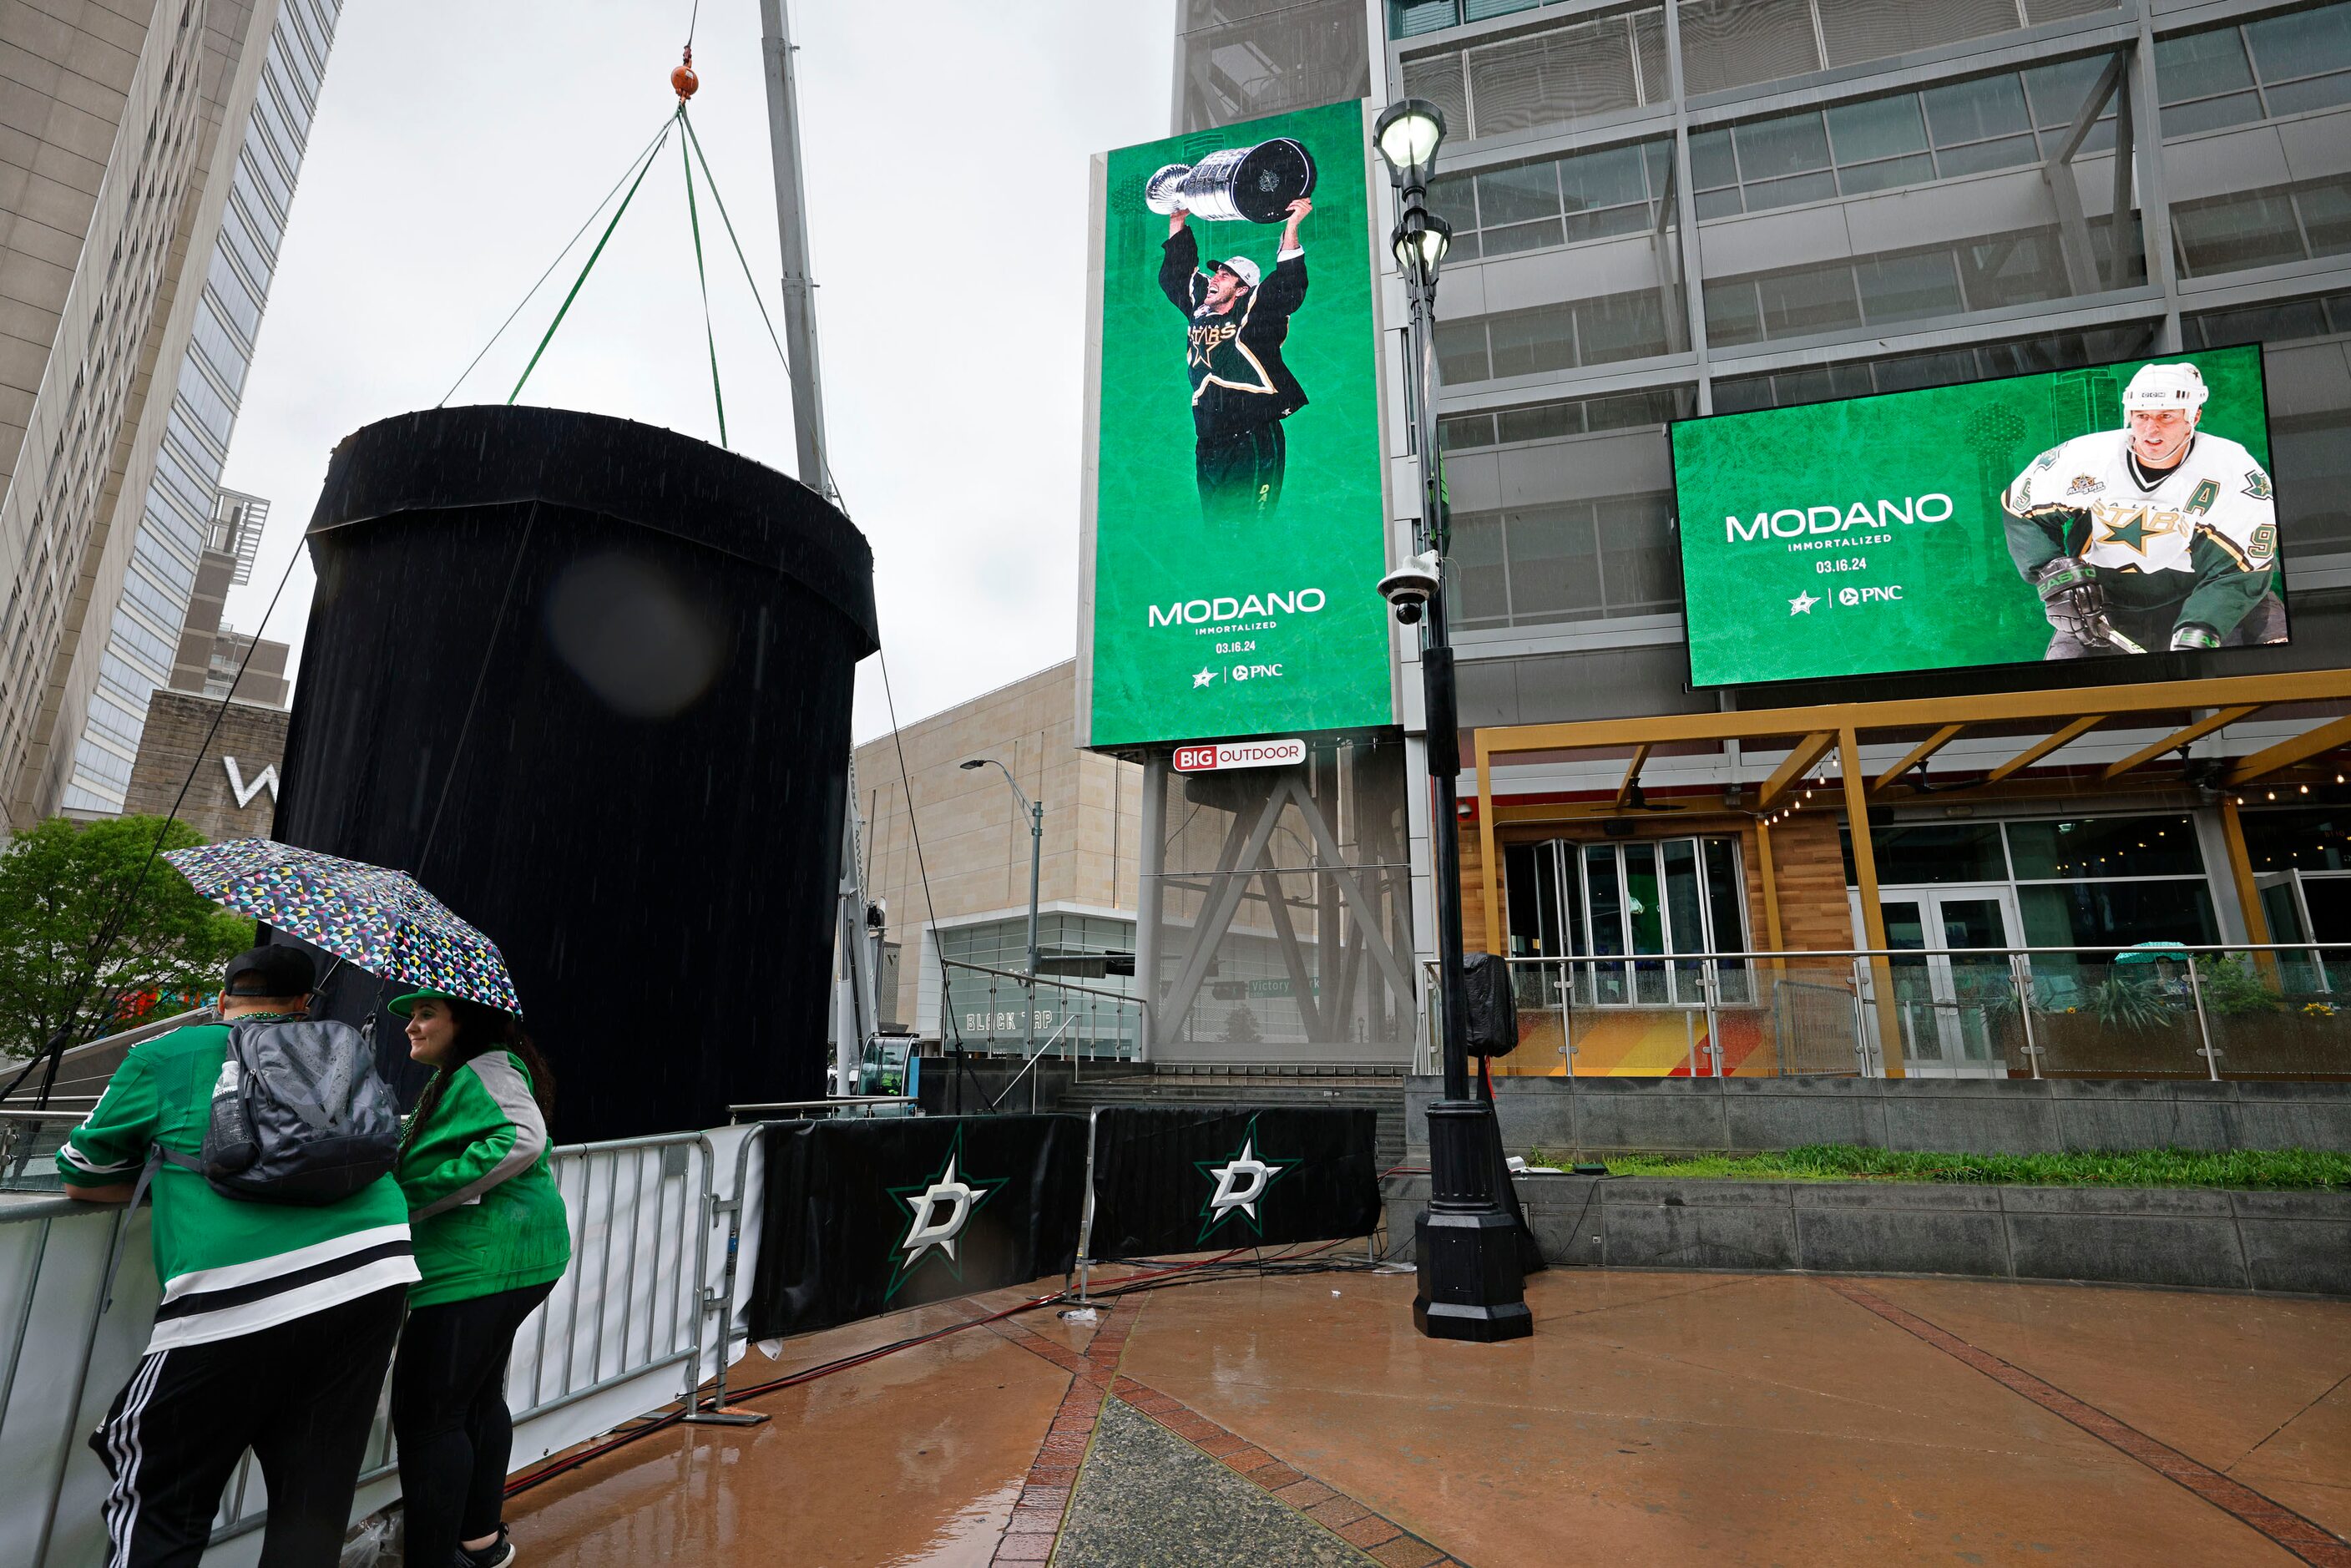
[{"x": 1654, "y": 1418}]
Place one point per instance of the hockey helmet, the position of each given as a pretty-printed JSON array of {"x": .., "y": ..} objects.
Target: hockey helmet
[{"x": 2179, "y": 386}]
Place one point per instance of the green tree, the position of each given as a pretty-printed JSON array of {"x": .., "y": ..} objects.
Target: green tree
[{"x": 61, "y": 883}]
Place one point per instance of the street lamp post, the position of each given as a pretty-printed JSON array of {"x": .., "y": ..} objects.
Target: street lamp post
[
  {"x": 1466, "y": 1243},
  {"x": 1036, "y": 813}
]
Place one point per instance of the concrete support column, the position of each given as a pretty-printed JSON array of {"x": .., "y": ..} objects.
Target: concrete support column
[
  {"x": 1150, "y": 894},
  {"x": 1872, "y": 917}
]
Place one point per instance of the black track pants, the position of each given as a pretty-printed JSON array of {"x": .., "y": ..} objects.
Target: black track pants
[
  {"x": 301, "y": 1395},
  {"x": 1240, "y": 473},
  {"x": 449, "y": 1413}
]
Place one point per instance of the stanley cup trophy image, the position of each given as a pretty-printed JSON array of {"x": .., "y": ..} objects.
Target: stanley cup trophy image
[
  {"x": 1237, "y": 317},
  {"x": 1256, "y": 184}
]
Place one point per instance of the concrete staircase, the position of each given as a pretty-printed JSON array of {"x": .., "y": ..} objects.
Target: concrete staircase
[{"x": 1379, "y": 1091}]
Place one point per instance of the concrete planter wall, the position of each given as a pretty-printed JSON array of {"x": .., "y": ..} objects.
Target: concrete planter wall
[
  {"x": 1951, "y": 1115},
  {"x": 2297, "y": 1241}
]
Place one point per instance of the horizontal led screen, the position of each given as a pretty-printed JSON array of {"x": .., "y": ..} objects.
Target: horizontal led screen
[{"x": 1998, "y": 522}]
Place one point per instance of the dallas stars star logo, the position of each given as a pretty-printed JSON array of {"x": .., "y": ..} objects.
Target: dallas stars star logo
[
  {"x": 2131, "y": 532},
  {"x": 1802, "y": 604},
  {"x": 1203, "y": 678},
  {"x": 1240, "y": 1185},
  {"x": 936, "y": 1212}
]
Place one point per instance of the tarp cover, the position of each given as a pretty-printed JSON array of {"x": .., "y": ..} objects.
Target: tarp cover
[
  {"x": 1493, "y": 1007},
  {"x": 866, "y": 1216},
  {"x": 1185, "y": 1180}
]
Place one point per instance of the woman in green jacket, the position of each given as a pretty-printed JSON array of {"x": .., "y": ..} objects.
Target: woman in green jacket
[{"x": 491, "y": 1239}]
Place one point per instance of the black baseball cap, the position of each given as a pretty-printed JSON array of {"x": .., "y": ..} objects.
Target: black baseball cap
[{"x": 270, "y": 972}]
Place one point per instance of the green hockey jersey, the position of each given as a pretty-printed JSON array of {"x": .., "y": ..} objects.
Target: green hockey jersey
[
  {"x": 229, "y": 1266},
  {"x": 481, "y": 1192}
]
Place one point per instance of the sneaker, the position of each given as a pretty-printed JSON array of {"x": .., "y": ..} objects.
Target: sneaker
[{"x": 498, "y": 1553}]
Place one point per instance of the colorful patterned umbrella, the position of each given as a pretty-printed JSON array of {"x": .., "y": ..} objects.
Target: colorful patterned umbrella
[{"x": 364, "y": 915}]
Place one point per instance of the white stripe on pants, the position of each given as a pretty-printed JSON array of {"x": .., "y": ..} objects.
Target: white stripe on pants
[{"x": 122, "y": 1507}]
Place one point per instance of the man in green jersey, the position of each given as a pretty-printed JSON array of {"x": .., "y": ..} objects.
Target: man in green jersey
[
  {"x": 1241, "y": 391},
  {"x": 277, "y": 1320}
]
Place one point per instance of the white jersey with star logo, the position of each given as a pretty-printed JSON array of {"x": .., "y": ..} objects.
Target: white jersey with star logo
[{"x": 2216, "y": 489}]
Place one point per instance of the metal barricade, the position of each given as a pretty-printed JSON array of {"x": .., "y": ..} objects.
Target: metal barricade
[{"x": 628, "y": 1329}]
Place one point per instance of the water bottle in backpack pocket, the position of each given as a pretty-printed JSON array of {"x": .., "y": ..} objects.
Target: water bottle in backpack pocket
[{"x": 300, "y": 1116}]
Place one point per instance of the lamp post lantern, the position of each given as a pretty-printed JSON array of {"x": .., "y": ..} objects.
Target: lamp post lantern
[
  {"x": 1466, "y": 1243},
  {"x": 1036, "y": 814}
]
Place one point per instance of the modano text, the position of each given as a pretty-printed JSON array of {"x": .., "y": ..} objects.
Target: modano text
[
  {"x": 1793, "y": 522},
  {"x": 1194, "y": 612}
]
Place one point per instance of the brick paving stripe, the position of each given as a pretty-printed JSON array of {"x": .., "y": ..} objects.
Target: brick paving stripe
[
  {"x": 2306, "y": 1539},
  {"x": 1095, "y": 1372}
]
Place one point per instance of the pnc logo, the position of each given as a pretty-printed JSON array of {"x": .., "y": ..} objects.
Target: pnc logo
[{"x": 1256, "y": 672}]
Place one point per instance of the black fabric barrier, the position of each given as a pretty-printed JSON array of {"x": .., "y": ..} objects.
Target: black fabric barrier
[
  {"x": 864, "y": 1216},
  {"x": 1202, "y": 1177}
]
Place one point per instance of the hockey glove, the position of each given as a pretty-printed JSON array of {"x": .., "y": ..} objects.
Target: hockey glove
[
  {"x": 2193, "y": 636},
  {"x": 2071, "y": 597}
]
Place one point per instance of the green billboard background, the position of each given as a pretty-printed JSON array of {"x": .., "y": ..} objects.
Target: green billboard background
[
  {"x": 1962, "y": 599},
  {"x": 1271, "y": 666}
]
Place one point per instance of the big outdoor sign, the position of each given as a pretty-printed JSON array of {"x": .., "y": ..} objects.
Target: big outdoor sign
[
  {"x": 1213, "y": 757},
  {"x": 1233, "y": 534},
  {"x": 1989, "y": 523}
]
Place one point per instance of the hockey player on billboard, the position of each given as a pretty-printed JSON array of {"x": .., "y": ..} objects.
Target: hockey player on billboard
[
  {"x": 2159, "y": 537},
  {"x": 1237, "y": 317}
]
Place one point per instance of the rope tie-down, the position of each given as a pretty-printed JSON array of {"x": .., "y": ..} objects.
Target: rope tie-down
[{"x": 684, "y": 81}]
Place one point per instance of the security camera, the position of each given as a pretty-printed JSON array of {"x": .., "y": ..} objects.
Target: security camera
[{"x": 1411, "y": 586}]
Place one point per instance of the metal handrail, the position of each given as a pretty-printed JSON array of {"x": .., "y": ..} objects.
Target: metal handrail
[
  {"x": 1870, "y": 995},
  {"x": 1034, "y": 1057},
  {"x": 2180, "y": 950},
  {"x": 735, "y": 1114},
  {"x": 1027, "y": 979}
]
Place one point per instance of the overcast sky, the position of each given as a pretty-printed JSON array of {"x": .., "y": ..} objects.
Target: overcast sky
[{"x": 457, "y": 146}]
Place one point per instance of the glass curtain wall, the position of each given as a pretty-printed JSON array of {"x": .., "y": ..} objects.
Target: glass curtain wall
[
  {"x": 1628, "y": 908},
  {"x": 990, "y": 1011},
  {"x": 2083, "y": 881},
  {"x": 1915, "y": 205},
  {"x": 176, "y": 515}
]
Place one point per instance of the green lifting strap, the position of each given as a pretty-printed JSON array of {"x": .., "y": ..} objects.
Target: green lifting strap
[
  {"x": 693, "y": 217},
  {"x": 592, "y": 256},
  {"x": 756, "y": 298}
]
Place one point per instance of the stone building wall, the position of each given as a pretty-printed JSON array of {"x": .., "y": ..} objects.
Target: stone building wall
[{"x": 247, "y": 750}]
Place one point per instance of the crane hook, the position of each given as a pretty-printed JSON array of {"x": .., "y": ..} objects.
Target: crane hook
[{"x": 682, "y": 78}]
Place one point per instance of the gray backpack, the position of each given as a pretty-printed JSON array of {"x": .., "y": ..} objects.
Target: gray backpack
[{"x": 300, "y": 1116}]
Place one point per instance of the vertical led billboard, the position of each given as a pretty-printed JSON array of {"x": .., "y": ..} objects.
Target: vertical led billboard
[
  {"x": 1235, "y": 530},
  {"x": 2089, "y": 513}
]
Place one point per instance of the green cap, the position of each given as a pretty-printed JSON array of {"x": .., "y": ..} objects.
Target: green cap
[{"x": 404, "y": 1004}]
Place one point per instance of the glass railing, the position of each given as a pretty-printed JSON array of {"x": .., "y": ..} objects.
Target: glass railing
[
  {"x": 1008, "y": 1013},
  {"x": 2237, "y": 1011}
]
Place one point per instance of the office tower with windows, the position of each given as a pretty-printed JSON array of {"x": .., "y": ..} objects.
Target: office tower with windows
[{"x": 145, "y": 180}]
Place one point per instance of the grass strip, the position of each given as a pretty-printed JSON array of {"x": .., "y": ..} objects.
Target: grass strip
[{"x": 2260, "y": 1170}]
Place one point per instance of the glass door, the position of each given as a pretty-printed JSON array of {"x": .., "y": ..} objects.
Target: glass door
[{"x": 1951, "y": 1002}]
